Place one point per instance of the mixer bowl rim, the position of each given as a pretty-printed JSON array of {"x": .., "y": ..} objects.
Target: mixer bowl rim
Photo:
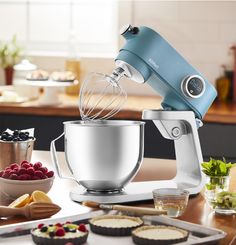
[{"x": 104, "y": 123}]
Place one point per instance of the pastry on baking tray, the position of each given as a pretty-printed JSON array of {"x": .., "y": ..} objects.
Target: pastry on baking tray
[
  {"x": 59, "y": 234},
  {"x": 37, "y": 75},
  {"x": 114, "y": 225},
  {"x": 159, "y": 234}
]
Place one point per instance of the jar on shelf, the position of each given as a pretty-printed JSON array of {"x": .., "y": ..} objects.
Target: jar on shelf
[{"x": 223, "y": 86}]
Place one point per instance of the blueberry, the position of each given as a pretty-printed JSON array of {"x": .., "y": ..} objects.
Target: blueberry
[
  {"x": 5, "y": 133},
  {"x": 66, "y": 229},
  {"x": 15, "y": 139},
  {"x": 16, "y": 132},
  {"x": 9, "y": 138},
  {"x": 44, "y": 229},
  {"x": 51, "y": 234}
]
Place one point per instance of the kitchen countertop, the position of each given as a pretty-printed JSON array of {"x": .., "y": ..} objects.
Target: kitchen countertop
[
  {"x": 152, "y": 169},
  {"x": 218, "y": 113}
]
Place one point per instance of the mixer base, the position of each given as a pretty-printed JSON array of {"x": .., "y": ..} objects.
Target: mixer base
[{"x": 135, "y": 191}]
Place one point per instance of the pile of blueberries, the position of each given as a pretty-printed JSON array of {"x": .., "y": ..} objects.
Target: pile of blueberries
[{"x": 16, "y": 135}]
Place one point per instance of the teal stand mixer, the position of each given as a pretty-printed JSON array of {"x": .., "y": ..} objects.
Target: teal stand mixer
[{"x": 147, "y": 57}]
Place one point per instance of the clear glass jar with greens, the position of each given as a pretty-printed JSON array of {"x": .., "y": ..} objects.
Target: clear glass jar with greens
[{"x": 217, "y": 172}]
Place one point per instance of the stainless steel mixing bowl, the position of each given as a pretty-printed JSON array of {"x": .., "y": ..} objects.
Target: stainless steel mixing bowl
[{"x": 102, "y": 155}]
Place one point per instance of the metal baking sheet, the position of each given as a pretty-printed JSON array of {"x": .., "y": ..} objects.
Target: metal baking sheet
[{"x": 20, "y": 233}]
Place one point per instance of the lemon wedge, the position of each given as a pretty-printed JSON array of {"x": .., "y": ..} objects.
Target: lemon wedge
[
  {"x": 40, "y": 196},
  {"x": 20, "y": 201}
]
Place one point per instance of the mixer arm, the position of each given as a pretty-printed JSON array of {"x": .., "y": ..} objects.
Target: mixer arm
[{"x": 181, "y": 126}]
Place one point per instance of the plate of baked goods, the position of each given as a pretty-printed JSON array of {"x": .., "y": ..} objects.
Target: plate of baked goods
[{"x": 103, "y": 227}]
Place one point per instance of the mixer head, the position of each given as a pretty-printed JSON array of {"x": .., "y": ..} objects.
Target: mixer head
[{"x": 101, "y": 96}]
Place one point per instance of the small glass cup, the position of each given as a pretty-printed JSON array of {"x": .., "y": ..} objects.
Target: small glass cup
[{"x": 172, "y": 200}]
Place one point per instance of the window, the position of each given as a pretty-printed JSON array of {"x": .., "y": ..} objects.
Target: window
[{"x": 61, "y": 27}]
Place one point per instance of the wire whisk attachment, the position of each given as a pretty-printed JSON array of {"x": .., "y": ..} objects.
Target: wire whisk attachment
[{"x": 101, "y": 96}]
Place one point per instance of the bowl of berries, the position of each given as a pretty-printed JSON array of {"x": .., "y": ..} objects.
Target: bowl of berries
[{"x": 18, "y": 179}]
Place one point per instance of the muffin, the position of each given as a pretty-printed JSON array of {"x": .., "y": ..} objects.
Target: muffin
[
  {"x": 59, "y": 234},
  {"x": 159, "y": 234},
  {"x": 114, "y": 225}
]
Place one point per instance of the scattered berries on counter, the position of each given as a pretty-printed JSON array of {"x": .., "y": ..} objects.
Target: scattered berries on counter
[
  {"x": 16, "y": 135},
  {"x": 26, "y": 171}
]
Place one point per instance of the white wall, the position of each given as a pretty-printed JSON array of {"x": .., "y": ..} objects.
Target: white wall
[{"x": 202, "y": 31}]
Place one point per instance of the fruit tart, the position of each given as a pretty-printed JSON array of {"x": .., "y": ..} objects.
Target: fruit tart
[{"x": 59, "y": 234}]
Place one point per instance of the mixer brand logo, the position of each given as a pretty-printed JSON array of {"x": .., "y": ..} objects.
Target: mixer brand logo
[{"x": 152, "y": 62}]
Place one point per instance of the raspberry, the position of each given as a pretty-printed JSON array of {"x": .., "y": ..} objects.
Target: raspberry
[
  {"x": 21, "y": 171},
  {"x": 30, "y": 171},
  {"x": 60, "y": 232},
  {"x": 24, "y": 162},
  {"x": 44, "y": 177},
  {"x": 14, "y": 165},
  {"x": 43, "y": 169},
  {"x": 58, "y": 224},
  {"x": 13, "y": 172},
  {"x": 31, "y": 165},
  {"x": 5, "y": 175},
  {"x": 37, "y": 165},
  {"x": 35, "y": 177},
  {"x": 68, "y": 222},
  {"x": 24, "y": 177},
  {"x": 40, "y": 225},
  {"x": 82, "y": 228},
  {"x": 1, "y": 173},
  {"x": 50, "y": 174},
  {"x": 7, "y": 171},
  {"x": 25, "y": 165},
  {"x": 13, "y": 176},
  {"x": 38, "y": 173}
]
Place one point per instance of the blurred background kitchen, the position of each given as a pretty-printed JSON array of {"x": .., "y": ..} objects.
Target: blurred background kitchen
[{"x": 83, "y": 36}]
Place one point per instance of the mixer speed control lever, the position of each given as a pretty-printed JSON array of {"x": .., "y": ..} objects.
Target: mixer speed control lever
[{"x": 193, "y": 86}]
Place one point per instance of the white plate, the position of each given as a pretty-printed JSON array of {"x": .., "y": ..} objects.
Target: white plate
[{"x": 18, "y": 100}]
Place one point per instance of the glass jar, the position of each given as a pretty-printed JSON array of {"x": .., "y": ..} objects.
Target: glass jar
[{"x": 215, "y": 185}]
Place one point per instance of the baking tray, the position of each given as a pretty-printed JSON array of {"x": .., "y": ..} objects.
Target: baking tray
[{"x": 19, "y": 233}]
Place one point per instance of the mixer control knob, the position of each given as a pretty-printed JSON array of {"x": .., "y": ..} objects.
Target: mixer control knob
[
  {"x": 193, "y": 86},
  {"x": 129, "y": 28}
]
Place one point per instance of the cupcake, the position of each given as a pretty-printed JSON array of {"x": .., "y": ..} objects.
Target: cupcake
[
  {"x": 114, "y": 225},
  {"x": 159, "y": 234},
  {"x": 59, "y": 234}
]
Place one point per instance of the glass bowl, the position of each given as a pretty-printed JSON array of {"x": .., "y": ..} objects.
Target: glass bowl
[{"x": 172, "y": 200}]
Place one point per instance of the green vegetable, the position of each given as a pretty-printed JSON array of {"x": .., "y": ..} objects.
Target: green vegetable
[
  {"x": 225, "y": 199},
  {"x": 217, "y": 167}
]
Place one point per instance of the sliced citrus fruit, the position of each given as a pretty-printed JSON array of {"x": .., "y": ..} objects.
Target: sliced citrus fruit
[
  {"x": 20, "y": 201},
  {"x": 40, "y": 196}
]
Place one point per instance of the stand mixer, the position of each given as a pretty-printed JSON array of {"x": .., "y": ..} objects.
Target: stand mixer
[{"x": 187, "y": 95}]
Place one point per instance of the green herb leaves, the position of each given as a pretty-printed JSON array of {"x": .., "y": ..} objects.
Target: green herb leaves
[{"x": 216, "y": 167}]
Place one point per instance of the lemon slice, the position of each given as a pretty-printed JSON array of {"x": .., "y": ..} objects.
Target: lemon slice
[
  {"x": 40, "y": 196},
  {"x": 20, "y": 201}
]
